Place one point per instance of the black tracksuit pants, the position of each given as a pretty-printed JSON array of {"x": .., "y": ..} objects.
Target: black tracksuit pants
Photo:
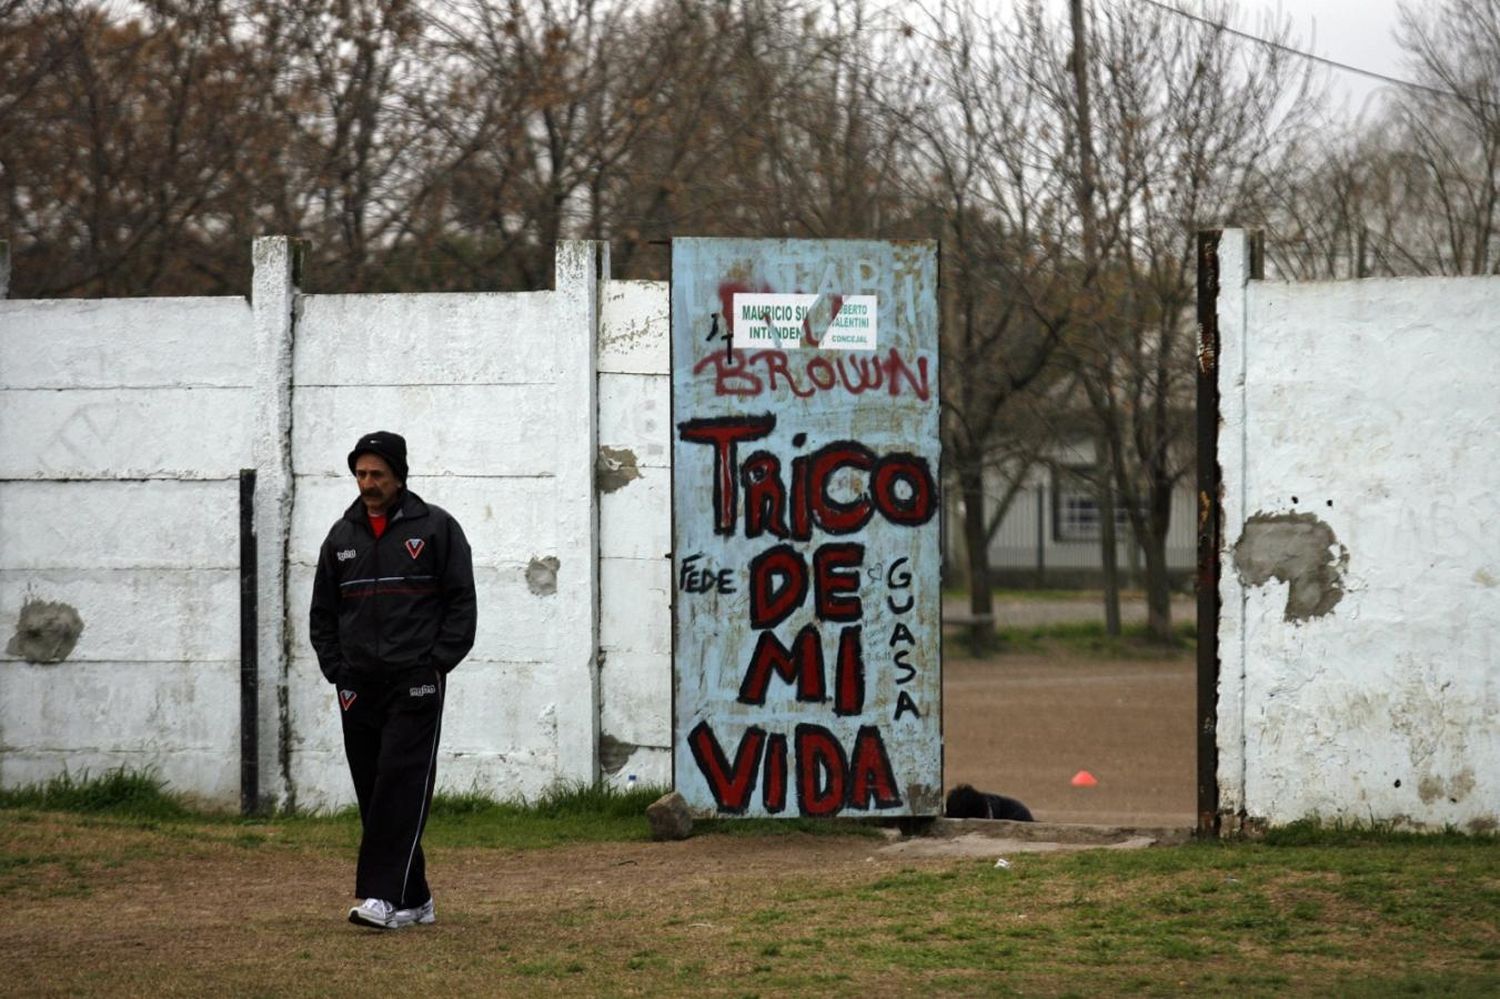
[{"x": 391, "y": 731}]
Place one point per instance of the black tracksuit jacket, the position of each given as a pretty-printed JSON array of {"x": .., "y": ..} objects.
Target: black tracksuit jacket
[{"x": 382, "y": 607}]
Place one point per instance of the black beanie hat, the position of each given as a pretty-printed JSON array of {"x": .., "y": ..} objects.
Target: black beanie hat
[{"x": 391, "y": 447}]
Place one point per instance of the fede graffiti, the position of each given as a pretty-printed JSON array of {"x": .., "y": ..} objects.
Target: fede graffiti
[{"x": 787, "y": 507}]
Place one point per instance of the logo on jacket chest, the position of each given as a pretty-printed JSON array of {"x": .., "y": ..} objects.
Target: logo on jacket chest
[
  {"x": 345, "y": 555},
  {"x": 414, "y": 546}
]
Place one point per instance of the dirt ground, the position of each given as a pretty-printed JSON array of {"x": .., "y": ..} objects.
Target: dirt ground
[
  {"x": 103, "y": 908},
  {"x": 114, "y": 910},
  {"x": 1023, "y": 725}
]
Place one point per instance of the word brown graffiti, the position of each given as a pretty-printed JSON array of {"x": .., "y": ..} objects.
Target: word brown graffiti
[{"x": 758, "y": 372}]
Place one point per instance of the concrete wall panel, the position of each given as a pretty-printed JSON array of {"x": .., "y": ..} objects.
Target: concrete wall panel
[
  {"x": 634, "y": 336},
  {"x": 476, "y": 430},
  {"x": 647, "y": 584},
  {"x": 635, "y": 413},
  {"x": 635, "y": 520},
  {"x": 146, "y": 616},
  {"x": 126, "y": 343},
  {"x": 432, "y": 339},
  {"x": 168, "y": 433},
  {"x": 1362, "y": 586},
  {"x": 86, "y": 718},
  {"x": 637, "y": 698},
  {"x": 166, "y": 524},
  {"x": 125, "y": 707}
]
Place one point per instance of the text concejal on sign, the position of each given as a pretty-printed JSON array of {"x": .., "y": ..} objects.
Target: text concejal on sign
[{"x": 807, "y": 621}]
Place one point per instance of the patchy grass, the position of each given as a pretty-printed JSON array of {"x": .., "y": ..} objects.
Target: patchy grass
[
  {"x": 219, "y": 905},
  {"x": 563, "y": 814},
  {"x": 1074, "y": 628},
  {"x": 121, "y": 791},
  {"x": 1086, "y": 640},
  {"x": 1090, "y": 640},
  {"x": 1095, "y": 597}
]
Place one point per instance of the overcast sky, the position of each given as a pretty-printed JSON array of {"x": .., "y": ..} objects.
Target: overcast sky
[{"x": 1357, "y": 32}]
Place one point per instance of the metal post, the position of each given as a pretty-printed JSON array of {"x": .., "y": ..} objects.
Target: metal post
[
  {"x": 1210, "y": 532},
  {"x": 249, "y": 657}
]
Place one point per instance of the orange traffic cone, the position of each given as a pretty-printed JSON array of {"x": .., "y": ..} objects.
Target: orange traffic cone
[{"x": 1084, "y": 779}]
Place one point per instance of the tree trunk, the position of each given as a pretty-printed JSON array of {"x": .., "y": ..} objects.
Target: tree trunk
[
  {"x": 976, "y": 544},
  {"x": 1156, "y": 523},
  {"x": 1158, "y": 591},
  {"x": 1109, "y": 554}
]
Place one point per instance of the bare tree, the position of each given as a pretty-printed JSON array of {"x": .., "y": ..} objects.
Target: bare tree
[
  {"x": 1322, "y": 218},
  {"x": 982, "y": 152},
  {"x": 1452, "y": 130},
  {"x": 1187, "y": 117},
  {"x": 770, "y": 123},
  {"x": 123, "y": 145},
  {"x": 353, "y": 149},
  {"x": 1414, "y": 190}
]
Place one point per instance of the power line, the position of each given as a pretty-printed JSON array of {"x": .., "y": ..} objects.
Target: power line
[{"x": 1268, "y": 43}]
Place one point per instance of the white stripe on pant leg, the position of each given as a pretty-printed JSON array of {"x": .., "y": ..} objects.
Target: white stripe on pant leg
[{"x": 416, "y": 838}]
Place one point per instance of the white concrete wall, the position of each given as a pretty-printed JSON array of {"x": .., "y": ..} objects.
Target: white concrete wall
[
  {"x": 635, "y": 536},
  {"x": 124, "y": 429},
  {"x": 635, "y": 515},
  {"x": 494, "y": 394},
  {"x": 126, "y": 424},
  {"x": 1357, "y": 443}
]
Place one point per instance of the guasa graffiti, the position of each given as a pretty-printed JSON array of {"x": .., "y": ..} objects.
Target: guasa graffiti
[{"x": 807, "y": 634}]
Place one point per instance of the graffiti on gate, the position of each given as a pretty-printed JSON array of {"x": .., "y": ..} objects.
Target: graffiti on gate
[
  {"x": 807, "y": 633},
  {"x": 901, "y": 491}
]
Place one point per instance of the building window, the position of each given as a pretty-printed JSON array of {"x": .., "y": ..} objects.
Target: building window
[{"x": 1075, "y": 509}]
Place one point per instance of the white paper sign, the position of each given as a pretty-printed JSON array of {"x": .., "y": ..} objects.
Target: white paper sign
[{"x": 791, "y": 322}]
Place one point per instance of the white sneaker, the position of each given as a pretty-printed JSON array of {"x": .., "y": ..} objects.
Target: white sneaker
[
  {"x": 422, "y": 915},
  {"x": 376, "y": 912}
]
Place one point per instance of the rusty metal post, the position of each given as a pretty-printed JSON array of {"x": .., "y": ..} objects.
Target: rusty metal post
[
  {"x": 249, "y": 650},
  {"x": 1210, "y": 532}
]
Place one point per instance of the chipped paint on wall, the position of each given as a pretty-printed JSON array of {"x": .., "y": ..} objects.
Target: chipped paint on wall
[
  {"x": 541, "y": 576},
  {"x": 617, "y": 468},
  {"x": 614, "y": 753},
  {"x": 46, "y": 632},
  {"x": 1300, "y": 550}
]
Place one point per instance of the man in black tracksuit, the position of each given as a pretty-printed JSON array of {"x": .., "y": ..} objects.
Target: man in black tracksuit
[{"x": 393, "y": 611}]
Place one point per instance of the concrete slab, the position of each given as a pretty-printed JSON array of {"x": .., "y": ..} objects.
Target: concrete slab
[{"x": 998, "y": 838}]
